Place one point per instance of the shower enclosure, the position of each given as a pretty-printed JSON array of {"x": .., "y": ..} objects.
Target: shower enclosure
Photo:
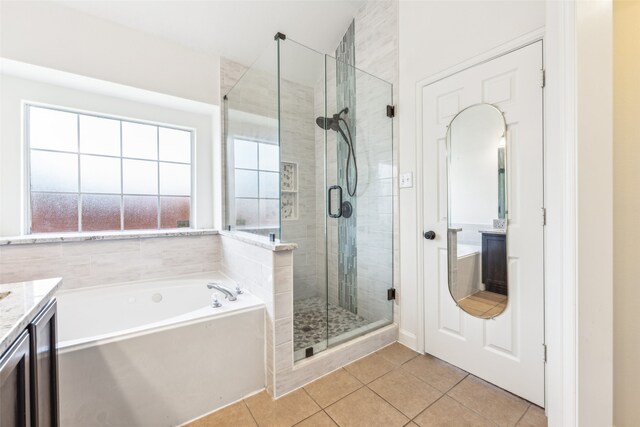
[{"x": 309, "y": 159}]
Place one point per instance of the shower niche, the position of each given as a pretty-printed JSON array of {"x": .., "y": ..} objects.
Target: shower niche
[
  {"x": 316, "y": 169},
  {"x": 289, "y": 189}
]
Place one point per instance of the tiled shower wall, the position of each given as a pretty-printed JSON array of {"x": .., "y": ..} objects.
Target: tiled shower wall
[
  {"x": 297, "y": 146},
  {"x": 103, "y": 262},
  {"x": 376, "y": 44}
]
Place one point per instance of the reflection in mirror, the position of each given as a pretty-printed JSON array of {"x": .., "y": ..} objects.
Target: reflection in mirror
[{"x": 477, "y": 215}]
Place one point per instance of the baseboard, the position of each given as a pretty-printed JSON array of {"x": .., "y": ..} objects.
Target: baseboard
[{"x": 409, "y": 339}]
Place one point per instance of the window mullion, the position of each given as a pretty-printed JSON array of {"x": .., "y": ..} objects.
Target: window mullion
[{"x": 79, "y": 178}]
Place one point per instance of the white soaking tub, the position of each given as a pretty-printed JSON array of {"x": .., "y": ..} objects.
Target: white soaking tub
[
  {"x": 469, "y": 271},
  {"x": 155, "y": 353}
]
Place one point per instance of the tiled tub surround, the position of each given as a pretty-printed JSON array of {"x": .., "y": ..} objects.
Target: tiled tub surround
[
  {"x": 155, "y": 352},
  {"x": 268, "y": 274},
  {"x": 99, "y": 262},
  {"x": 23, "y": 302}
]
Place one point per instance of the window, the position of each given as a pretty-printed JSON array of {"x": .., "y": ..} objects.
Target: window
[
  {"x": 95, "y": 173},
  {"x": 257, "y": 184}
]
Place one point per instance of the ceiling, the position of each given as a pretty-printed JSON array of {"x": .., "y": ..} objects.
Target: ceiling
[{"x": 239, "y": 30}]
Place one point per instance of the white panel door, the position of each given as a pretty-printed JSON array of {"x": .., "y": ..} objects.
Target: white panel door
[{"x": 507, "y": 350}]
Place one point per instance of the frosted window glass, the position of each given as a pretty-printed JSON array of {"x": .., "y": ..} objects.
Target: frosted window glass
[
  {"x": 269, "y": 157},
  {"x": 246, "y": 154},
  {"x": 100, "y": 213},
  {"x": 52, "y": 129},
  {"x": 139, "y": 141},
  {"x": 100, "y": 174},
  {"x": 54, "y": 171},
  {"x": 99, "y": 136},
  {"x": 140, "y": 177},
  {"x": 269, "y": 183},
  {"x": 173, "y": 210},
  {"x": 269, "y": 215},
  {"x": 175, "y": 180},
  {"x": 175, "y": 145},
  {"x": 246, "y": 183},
  {"x": 247, "y": 213},
  {"x": 140, "y": 212},
  {"x": 54, "y": 212}
]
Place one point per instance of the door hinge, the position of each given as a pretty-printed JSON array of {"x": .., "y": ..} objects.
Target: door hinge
[
  {"x": 391, "y": 294},
  {"x": 544, "y": 216},
  {"x": 544, "y": 352},
  {"x": 543, "y": 78},
  {"x": 391, "y": 111}
]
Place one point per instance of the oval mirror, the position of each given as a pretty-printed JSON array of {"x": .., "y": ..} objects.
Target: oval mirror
[{"x": 477, "y": 211}]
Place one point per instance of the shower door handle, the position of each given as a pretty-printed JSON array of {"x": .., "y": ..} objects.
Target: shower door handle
[{"x": 329, "y": 208}]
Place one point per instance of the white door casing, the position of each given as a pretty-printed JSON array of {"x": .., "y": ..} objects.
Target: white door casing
[{"x": 508, "y": 350}]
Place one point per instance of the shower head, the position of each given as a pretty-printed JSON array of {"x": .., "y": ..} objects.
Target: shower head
[
  {"x": 327, "y": 124},
  {"x": 331, "y": 123}
]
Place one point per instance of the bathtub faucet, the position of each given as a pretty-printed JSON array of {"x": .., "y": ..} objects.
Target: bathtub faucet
[{"x": 222, "y": 288}]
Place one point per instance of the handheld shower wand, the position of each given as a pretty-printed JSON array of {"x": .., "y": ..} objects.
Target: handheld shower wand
[{"x": 333, "y": 124}]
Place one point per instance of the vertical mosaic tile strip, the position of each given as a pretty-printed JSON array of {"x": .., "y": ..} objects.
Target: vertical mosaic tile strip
[{"x": 347, "y": 227}]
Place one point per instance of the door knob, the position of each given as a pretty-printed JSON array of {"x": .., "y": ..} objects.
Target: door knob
[{"x": 429, "y": 235}]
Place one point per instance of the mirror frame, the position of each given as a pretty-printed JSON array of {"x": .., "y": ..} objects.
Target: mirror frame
[{"x": 506, "y": 199}]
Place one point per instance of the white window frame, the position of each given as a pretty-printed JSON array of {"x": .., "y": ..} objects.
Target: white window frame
[{"x": 26, "y": 105}]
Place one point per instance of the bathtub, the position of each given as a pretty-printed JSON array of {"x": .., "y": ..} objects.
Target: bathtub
[
  {"x": 469, "y": 271},
  {"x": 155, "y": 353}
]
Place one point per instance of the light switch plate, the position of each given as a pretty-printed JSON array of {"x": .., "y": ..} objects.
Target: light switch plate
[{"x": 406, "y": 180}]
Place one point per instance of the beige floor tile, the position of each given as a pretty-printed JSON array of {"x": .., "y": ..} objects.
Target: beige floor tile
[
  {"x": 369, "y": 368},
  {"x": 498, "y": 309},
  {"x": 489, "y": 401},
  {"x": 434, "y": 371},
  {"x": 286, "y": 411},
  {"x": 411, "y": 424},
  {"x": 233, "y": 415},
  {"x": 333, "y": 387},
  {"x": 534, "y": 417},
  {"x": 489, "y": 296},
  {"x": 397, "y": 353},
  {"x": 320, "y": 419},
  {"x": 406, "y": 392},
  {"x": 446, "y": 412},
  {"x": 367, "y": 409},
  {"x": 472, "y": 304}
]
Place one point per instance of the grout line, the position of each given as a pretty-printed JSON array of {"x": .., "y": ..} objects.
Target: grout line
[
  {"x": 429, "y": 406},
  {"x": 523, "y": 414},
  {"x": 251, "y": 413}
]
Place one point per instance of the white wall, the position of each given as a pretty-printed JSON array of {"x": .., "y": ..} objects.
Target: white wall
[
  {"x": 48, "y": 34},
  {"x": 76, "y": 95},
  {"x": 626, "y": 212},
  {"x": 435, "y": 36}
]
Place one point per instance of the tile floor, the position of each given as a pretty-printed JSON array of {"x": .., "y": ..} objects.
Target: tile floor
[
  {"x": 393, "y": 387},
  {"x": 484, "y": 304}
]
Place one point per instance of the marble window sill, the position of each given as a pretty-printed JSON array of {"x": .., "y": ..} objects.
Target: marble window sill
[{"x": 107, "y": 235}]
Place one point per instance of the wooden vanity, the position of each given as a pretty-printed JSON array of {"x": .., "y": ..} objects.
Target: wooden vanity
[
  {"x": 28, "y": 355},
  {"x": 494, "y": 261}
]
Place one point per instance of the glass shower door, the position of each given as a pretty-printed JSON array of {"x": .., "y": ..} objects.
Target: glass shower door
[{"x": 359, "y": 194}]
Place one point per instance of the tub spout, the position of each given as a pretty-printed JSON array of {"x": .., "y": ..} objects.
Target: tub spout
[{"x": 222, "y": 288}]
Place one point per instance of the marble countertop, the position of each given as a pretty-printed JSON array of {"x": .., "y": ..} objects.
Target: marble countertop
[
  {"x": 23, "y": 303},
  {"x": 493, "y": 231},
  {"x": 260, "y": 241}
]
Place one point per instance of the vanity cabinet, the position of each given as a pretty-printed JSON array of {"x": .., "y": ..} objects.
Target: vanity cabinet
[
  {"x": 494, "y": 262},
  {"x": 29, "y": 375},
  {"x": 15, "y": 384},
  {"x": 44, "y": 367}
]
